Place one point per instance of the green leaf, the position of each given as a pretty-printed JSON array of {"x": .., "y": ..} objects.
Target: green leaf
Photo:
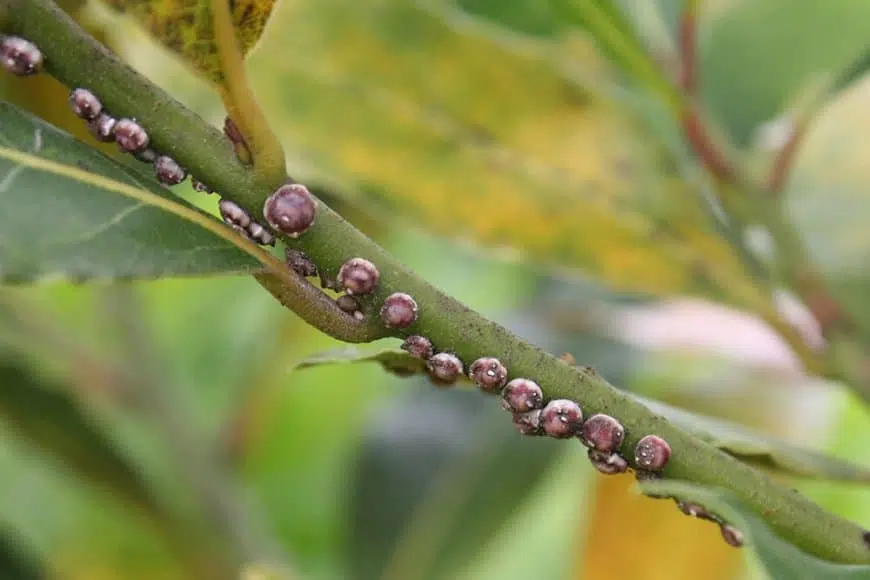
[
  {"x": 395, "y": 361},
  {"x": 857, "y": 70},
  {"x": 758, "y": 449},
  {"x": 508, "y": 147},
  {"x": 826, "y": 199},
  {"x": 744, "y": 444},
  {"x": 544, "y": 524},
  {"x": 185, "y": 27},
  {"x": 759, "y": 55},
  {"x": 17, "y": 563},
  {"x": 456, "y": 472},
  {"x": 70, "y": 212},
  {"x": 46, "y": 415},
  {"x": 781, "y": 560}
]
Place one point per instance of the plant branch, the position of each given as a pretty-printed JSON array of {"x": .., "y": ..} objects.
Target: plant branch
[
  {"x": 783, "y": 161},
  {"x": 744, "y": 202},
  {"x": 78, "y": 60},
  {"x": 686, "y": 39},
  {"x": 693, "y": 127},
  {"x": 679, "y": 99},
  {"x": 729, "y": 188}
]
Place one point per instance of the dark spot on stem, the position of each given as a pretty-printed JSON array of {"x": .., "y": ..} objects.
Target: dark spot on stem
[{"x": 866, "y": 537}]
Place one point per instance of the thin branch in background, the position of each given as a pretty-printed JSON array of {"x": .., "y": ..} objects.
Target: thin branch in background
[
  {"x": 29, "y": 330},
  {"x": 805, "y": 114},
  {"x": 694, "y": 128},
  {"x": 686, "y": 44},
  {"x": 726, "y": 183},
  {"x": 696, "y": 134},
  {"x": 783, "y": 162},
  {"x": 739, "y": 199},
  {"x": 92, "y": 379},
  {"x": 716, "y": 162},
  {"x": 213, "y": 485},
  {"x": 241, "y": 427},
  {"x": 789, "y": 130},
  {"x": 798, "y": 272}
]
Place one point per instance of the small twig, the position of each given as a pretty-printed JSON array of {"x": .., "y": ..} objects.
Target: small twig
[
  {"x": 795, "y": 267},
  {"x": 269, "y": 165},
  {"x": 93, "y": 378},
  {"x": 696, "y": 135},
  {"x": 717, "y": 164},
  {"x": 693, "y": 127},
  {"x": 210, "y": 483},
  {"x": 796, "y": 121},
  {"x": 686, "y": 36},
  {"x": 27, "y": 327},
  {"x": 783, "y": 161},
  {"x": 305, "y": 296}
]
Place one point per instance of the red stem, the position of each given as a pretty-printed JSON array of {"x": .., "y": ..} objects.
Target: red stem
[
  {"x": 693, "y": 127},
  {"x": 686, "y": 42}
]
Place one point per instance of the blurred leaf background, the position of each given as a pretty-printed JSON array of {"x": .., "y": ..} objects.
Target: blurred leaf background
[{"x": 160, "y": 430}]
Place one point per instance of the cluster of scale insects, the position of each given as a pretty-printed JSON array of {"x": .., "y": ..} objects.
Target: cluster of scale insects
[
  {"x": 132, "y": 138},
  {"x": 291, "y": 210}
]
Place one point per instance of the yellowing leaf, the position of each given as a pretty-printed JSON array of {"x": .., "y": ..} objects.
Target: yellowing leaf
[
  {"x": 633, "y": 536},
  {"x": 476, "y": 137},
  {"x": 185, "y": 27}
]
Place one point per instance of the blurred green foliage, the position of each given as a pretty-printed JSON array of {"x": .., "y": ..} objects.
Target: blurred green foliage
[{"x": 505, "y": 151}]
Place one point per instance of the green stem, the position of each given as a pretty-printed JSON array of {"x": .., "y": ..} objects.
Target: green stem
[
  {"x": 605, "y": 28},
  {"x": 269, "y": 166},
  {"x": 77, "y": 59}
]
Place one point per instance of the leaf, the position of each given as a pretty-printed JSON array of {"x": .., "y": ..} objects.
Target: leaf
[
  {"x": 63, "y": 218},
  {"x": 474, "y": 130},
  {"x": 544, "y": 524},
  {"x": 825, "y": 198},
  {"x": 15, "y": 562},
  {"x": 781, "y": 560},
  {"x": 299, "y": 438},
  {"x": 758, "y": 55},
  {"x": 456, "y": 472},
  {"x": 185, "y": 27},
  {"x": 395, "y": 361},
  {"x": 858, "y": 69},
  {"x": 744, "y": 444},
  {"x": 768, "y": 452},
  {"x": 47, "y": 416}
]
